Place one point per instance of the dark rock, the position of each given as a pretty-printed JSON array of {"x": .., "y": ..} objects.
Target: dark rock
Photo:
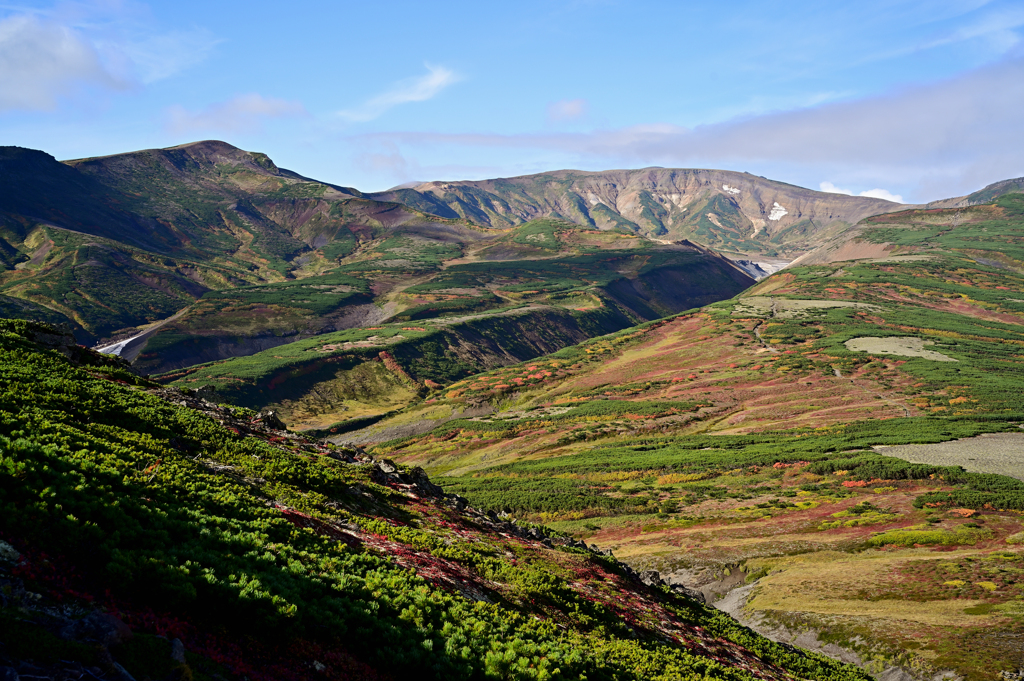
[
  {"x": 387, "y": 466},
  {"x": 178, "y": 651},
  {"x": 651, "y": 578},
  {"x": 419, "y": 477},
  {"x": 460, "y": 504},
  {"x": 270, "y": 419},
  {"x": 120, "y": 673},
  {"x": 689, "y": 593},
  {"x": 340, "y": 456},
  {"x": 103, "y": 628},
  {"x": 203, "y": 391},
  {"x": 29, "y": 669},
  {"x": 8, "y": 553},
  {"x": 8, "y": 674}
]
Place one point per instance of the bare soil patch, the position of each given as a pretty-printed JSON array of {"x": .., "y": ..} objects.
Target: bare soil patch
[
  {"x": 1001, "y": 453},
  {"x": 905, "y": 346},
  {"x": 787, "y": 308}
]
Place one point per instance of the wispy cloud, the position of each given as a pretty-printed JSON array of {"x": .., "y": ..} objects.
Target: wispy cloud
[
  {"x": 42, "y": 61},
  {"x": 953, "y": 135},
  {"x": 996, "y": 26},
  {"x": 244, "y": 113},
  {"x": 873, "y": 193},
  {"x": 418, "y": 89},
  {"x": 567, "y": 110},
  {"x": 52, "y": 53}
]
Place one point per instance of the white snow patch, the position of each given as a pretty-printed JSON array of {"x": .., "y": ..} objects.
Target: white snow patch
[
  {"x": 759, "y": 269},
  {"x": 777, "y": 212},
  {"x": 594, "y": 200},
  {"x": 731, "y": 190},
  {"x": 118, "y": 347}
]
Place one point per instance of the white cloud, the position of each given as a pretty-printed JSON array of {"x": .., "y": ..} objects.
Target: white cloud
[
  {"x": 243, "y": 113},
  {"x": 883, "y": 194},
  {"x": 873, "y": 193},
  {"x": 567, "y": 110},
  {"x": 55, "y": 53},
  {"x": 41, "y": 62},
  {"x": 410, "y": 90},
  {"x": 832, "y": 189}
]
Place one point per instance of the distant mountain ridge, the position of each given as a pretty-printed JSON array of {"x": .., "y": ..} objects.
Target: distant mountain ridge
[
  {"x": 115, "y": 241},
  {"x": 204, "y": 251},
  {"x": 730, "y": 211}
]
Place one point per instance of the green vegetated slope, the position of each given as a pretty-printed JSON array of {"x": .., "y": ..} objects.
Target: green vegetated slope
[
  {"x": 735, "y": 212},
  {"x": 267, "y": 556},
  {"x": 738, "y": 442},
  {"x": 548, "y": 304},
  {"x": 205, "y": 252},
  {"x": 414, "y": 278},
  {"x": 116, "y": 242}
]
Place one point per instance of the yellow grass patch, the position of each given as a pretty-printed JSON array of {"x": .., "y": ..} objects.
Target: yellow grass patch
[{"x": 817, "y": 583}]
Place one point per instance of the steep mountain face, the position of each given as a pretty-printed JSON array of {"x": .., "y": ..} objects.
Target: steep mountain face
[
  {"x": 116, "y": 242},
  {"x": 730, "y": 211}
]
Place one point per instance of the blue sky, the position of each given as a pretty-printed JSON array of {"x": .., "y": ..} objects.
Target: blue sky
[{"x": 919, "y": 100}]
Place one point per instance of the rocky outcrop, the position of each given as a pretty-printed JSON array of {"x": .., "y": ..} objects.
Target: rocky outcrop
[{"x": 717, "y": 208}]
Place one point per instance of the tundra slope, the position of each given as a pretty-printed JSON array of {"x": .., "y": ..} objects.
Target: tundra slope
[
  {"x": 149, "y": 533},
  {"x": 734, "y": 443}
]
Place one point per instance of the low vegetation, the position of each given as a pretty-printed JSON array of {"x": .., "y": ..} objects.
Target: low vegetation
[
  {"x": 771, "y": 459},
  {"x": 272, "y": 557}
]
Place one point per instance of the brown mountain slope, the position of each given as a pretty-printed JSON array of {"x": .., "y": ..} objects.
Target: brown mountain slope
[{"x": 725, "y": 210}]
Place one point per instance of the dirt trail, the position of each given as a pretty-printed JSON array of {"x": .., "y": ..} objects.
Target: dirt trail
[{"x": 757, "y": 329}]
